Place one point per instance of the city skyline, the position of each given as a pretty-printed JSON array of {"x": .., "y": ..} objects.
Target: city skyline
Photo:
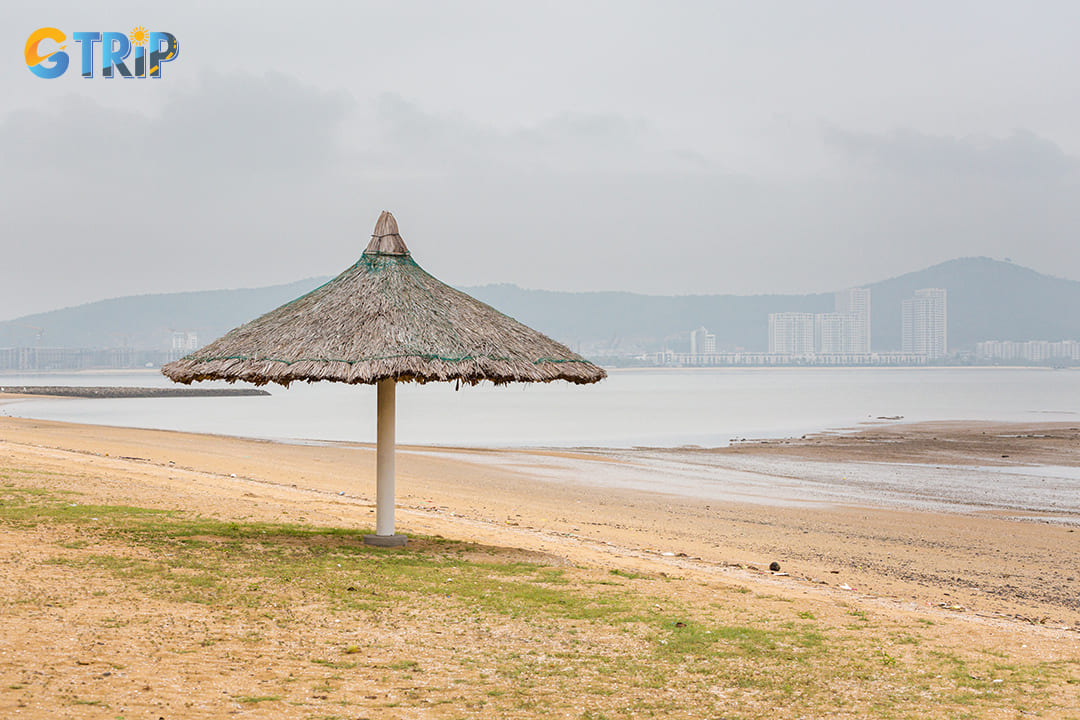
[
  {"x": 995, "y": 301},
  {"x": 845, "y": 331}
]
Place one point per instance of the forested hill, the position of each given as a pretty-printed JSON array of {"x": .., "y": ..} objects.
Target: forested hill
[{"x": 987, "y": 299}]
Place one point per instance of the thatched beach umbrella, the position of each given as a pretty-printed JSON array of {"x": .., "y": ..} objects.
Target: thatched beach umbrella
[{"x": 384, "y": 321}]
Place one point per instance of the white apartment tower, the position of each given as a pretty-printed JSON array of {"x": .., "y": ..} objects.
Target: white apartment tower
[
  {"x": 855, "y": 302},
  {"x": 702, "y": 342},
  {"x": 791, "y": 333},
  {"x": 834, "y": 332},
  {"x": 924, "y": 321},
  {"x": 185, "y": 341}
]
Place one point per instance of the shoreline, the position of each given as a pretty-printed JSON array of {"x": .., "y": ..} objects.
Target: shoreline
[
  {"x": 113, "y": 392},
  {"x": 714, "y": 368},
  {"x": 700, "y": 412},
  {"x": 907, "y": 450},
  {"x": 156, "y": 371},
  {"x": 985, "y": 562},
  {"x": 954, "y": 442},
  {"x": 864, "y": 466}
]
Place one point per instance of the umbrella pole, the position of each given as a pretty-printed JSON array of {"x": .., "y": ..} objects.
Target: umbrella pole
[{"x": 384, "y": 470}]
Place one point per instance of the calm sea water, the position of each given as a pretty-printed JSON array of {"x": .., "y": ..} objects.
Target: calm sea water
[{"x": 658, "y": 408}]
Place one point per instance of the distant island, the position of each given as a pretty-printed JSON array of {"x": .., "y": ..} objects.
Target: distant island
[{"x": 988, "y": 301}]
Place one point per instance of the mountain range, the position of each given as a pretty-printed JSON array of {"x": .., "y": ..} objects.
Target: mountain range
[{"x": 987, "y": 299}]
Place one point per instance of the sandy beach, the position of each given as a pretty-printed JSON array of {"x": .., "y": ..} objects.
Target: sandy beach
[{"x": 984, "y": 579}]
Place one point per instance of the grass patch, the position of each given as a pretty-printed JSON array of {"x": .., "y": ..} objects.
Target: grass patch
[
  {"x": 335, "y": 665},
  {"x": 403, "y": 665},
  {"x": 626, "y": 574},
  {"x": 512, "y": 636}
]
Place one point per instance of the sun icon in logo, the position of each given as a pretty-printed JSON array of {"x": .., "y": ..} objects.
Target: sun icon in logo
[{"x": 139, "y": 36}]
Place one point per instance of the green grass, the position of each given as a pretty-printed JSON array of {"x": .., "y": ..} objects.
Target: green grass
[
  {"x": 258, "y": 699},
  {"x": 549, "y": 638},
  {"x": 404, "y": 665},
  {"x": 337, "y": 665},
  {"x": 627, "y": 574}
]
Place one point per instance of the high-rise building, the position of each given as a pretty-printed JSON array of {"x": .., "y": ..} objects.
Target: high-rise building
[
  {"x": 834, "y": 333},
  {"x": 855, "y": 301},
  {"x": 702, "y": 342},
  {"x": 185, "y": 341},
  {"x": 791, "y": 333},
  {"x": 924, "y": 321}
]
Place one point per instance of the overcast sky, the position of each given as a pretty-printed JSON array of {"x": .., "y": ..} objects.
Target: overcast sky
[{"x": 666, "y": 148}]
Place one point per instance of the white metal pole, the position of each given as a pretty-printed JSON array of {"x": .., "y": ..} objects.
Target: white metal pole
[{"x": 384, "y": 461}]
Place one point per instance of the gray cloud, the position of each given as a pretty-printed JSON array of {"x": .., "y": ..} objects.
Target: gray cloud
[
  {"x": 235, "y": 124},
  {"x": 210, "y": 191},
  {"x": 1018, "y": 157},
  {"x": 74, "y": 135},
  {"x": 412, "y": 136},
  {"x": 264, "y": 179},
  {"x": 245, "y": 124},
  {"x": 609, "y": 145}
]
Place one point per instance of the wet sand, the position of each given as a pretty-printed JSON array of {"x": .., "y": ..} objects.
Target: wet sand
[
  {"x": 942, "y": 443},
  {"x": 983, "y": 563}
]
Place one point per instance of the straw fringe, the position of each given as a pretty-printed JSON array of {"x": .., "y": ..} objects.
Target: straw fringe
[{"x": 384, "y": 318}]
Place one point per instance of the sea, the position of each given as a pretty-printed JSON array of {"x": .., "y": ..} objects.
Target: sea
[
  {"x": 652, "y": 421},
  {"x": 654, "y": 408}
]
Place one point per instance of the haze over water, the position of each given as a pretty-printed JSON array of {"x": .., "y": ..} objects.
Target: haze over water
[{"x": 655, "y": 408}]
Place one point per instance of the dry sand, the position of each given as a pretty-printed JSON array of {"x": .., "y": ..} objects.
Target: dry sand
[
  {"x": 985, "y": 577},
  {"x": 988, "y": 563}
]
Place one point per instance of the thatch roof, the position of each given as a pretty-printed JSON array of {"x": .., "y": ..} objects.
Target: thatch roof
[{"x": 384, "y": 318}]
